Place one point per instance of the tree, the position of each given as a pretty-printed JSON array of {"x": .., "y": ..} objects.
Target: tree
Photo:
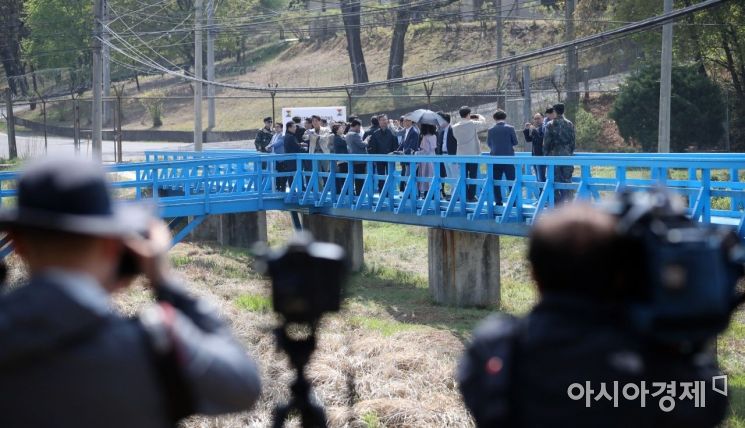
[
  {"x": 697, "y": 109},
  {"x": 403, "y": 15},
  {"x": 59, "y": 33},
  {"x": 10, "y": 44},
  {"x": 350, "y": 11}
]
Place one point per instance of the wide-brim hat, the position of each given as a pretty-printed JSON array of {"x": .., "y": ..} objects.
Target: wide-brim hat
[{"x": 72, "y": 195}]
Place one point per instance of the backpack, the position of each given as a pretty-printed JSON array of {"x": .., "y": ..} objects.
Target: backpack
[{"x": 486, "y": 371}]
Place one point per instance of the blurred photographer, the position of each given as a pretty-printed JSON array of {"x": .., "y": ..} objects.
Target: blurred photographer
[
  {"x": 570, "y": 361},
  {"x": 68, "y": 360}
]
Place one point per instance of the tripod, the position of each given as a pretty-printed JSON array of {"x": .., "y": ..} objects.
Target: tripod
[{"x": 299, "y": 351}]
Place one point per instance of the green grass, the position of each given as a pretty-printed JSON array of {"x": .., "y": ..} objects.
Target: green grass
[
  {"x": 371, "y": 420},
  {"x": 254, "y": 303},
  {"x": 736, "y": 386},
  {"x": 224, "y": 269},
  {"x": 179, "y": 260},
  {"x": 383, "y": 326}
]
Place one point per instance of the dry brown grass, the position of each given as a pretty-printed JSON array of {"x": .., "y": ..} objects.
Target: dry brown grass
[
  {"x": 388, "y": 359},
  {"x": 362, "y": 376}
]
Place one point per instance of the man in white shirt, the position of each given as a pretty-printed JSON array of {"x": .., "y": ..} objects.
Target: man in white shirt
[{"x": 466, "y": 133}]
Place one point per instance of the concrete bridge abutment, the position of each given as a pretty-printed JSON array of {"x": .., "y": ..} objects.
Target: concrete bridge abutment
[
  {"x": 341, "y": 231},
  {"x": 240, "y": 230},
  {"x": 464, "y": 268}
]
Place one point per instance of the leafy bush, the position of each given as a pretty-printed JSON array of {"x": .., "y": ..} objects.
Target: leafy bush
[
  {"x": 588, "y": 129},
  {"x": 696, "y": 109},
  {"x": 153, "y": 103}
]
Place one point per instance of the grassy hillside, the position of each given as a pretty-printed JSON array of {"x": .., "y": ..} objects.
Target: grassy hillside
[{"x": 429, "y": 47}]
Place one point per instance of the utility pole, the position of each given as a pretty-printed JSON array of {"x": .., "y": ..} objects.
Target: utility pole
[
  {"x": 500, "y": 35},
  {"x": 663, "y": 137},
  {"x": 572, "y": 99},
  {"x": 527, "y": 95},
  {"x": 198, "y": 74},
  {"x": 210, "y": 64},
  {"x": 106, "y": 67},
  {"x": 96, "y": 81},
  {"x": 12, "y": 150}
]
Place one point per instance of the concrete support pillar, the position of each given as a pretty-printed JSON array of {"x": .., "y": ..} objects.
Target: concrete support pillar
[
  {"x": 208, "y": 230},
  {"x": 236, "y": 230},
  {"x": 242, "y": 230},
  {"x": 340, "y": 231},
  {"x": 464, "y": 268}
]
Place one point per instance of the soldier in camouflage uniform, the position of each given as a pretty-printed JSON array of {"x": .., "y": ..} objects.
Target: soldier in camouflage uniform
[
  {"x": 559, "y": 140},
  {"x": 264, "y": 137}
]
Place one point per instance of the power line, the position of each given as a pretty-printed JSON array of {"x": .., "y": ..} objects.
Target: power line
[{"x": 457, "y": 71}]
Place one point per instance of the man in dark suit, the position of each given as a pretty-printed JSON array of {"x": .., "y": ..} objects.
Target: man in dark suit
[
  {"x": 382, "y": 142},
  {"x": 409, "y": 146},
  {"x": 66, "y": 358},
  {"x": 501, "y": 140},
  {"x": 448, "y": 145}
]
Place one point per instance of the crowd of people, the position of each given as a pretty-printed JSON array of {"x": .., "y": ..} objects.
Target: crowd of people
[
  {"x": 68, "y": 359},
  {"x": 550, "y": 134}
]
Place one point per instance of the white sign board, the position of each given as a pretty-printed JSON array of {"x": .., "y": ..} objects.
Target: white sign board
[{"x": 331, "y": 114}]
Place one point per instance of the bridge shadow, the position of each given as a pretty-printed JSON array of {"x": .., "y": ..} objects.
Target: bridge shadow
[{"x": 406, "y": 298}]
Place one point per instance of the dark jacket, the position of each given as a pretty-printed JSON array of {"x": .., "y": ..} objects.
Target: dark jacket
[
  {"x": 566, "y": 340},
  {"x": 451, "y": 145},
  {"x": 370, "y": 131},
  {"x": 67, "y": 361},
  {"x": 292, "y": 145},
  {"x": 410, "y": 144},
  {"x": 535, "y": 137},
  {"x": 501, "y": 139},
  {"x": 340, "y": 146},
  {"x": 382, "y": 142},
  {"x": 263, "y": 138},
  {"x": 299, "y": 133}
]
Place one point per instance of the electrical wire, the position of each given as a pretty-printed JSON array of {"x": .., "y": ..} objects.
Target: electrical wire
[{"x": 456, "y": 71}]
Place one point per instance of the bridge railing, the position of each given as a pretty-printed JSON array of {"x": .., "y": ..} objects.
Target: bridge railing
[
  {"x": 712, "y": 185},
  {"x": 377, "y": 187}
]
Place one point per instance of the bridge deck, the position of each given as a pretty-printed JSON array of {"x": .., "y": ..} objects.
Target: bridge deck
[{"x": 186, "y": 184}]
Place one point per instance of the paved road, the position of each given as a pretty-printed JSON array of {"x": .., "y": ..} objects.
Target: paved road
[{"x": 31, "y": 146}]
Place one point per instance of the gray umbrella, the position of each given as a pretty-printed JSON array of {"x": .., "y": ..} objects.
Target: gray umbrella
[{"x": 426, "y": 116}]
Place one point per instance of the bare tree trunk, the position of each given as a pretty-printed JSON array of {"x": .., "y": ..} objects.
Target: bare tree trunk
[
  {"x": 400, "y": 27},
  {"x": 350, "y": 10}
]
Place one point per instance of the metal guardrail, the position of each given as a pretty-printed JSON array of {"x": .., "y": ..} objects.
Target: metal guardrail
[{"x": 192, "y": 184}]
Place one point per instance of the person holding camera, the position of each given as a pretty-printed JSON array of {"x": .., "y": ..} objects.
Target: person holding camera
[
  {"x": 575, "y": 360},
  {"x": 466, "y": 133},
  {"x": 501, "y": 140},
  {"x": 67, "y": 359},
  {"x": 533, "y": 133}
]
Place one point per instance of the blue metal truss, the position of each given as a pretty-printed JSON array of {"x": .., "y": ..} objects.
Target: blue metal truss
[{"x": 198, "y": 184}]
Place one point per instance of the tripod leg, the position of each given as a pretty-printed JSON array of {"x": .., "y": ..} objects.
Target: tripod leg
[{"x": 280, "y": 414}]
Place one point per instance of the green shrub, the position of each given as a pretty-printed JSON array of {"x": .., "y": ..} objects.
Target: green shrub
[
  {"x": 154, "y": 106},
  {"x": 588, "y": 129},
  {"x": 696, "y": 109}
]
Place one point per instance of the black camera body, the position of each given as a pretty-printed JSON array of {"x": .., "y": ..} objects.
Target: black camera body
[
  {"x": 690, "y": 271},
  {"x": 307, "y": 278}
]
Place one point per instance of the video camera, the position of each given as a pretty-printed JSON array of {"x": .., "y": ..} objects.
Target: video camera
[
  {"x": 690, "y": 271},
  {"x": 307, "y": 280}
]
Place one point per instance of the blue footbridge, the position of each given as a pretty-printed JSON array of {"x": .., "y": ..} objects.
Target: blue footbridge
[{"x": 187, "y": 187}]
